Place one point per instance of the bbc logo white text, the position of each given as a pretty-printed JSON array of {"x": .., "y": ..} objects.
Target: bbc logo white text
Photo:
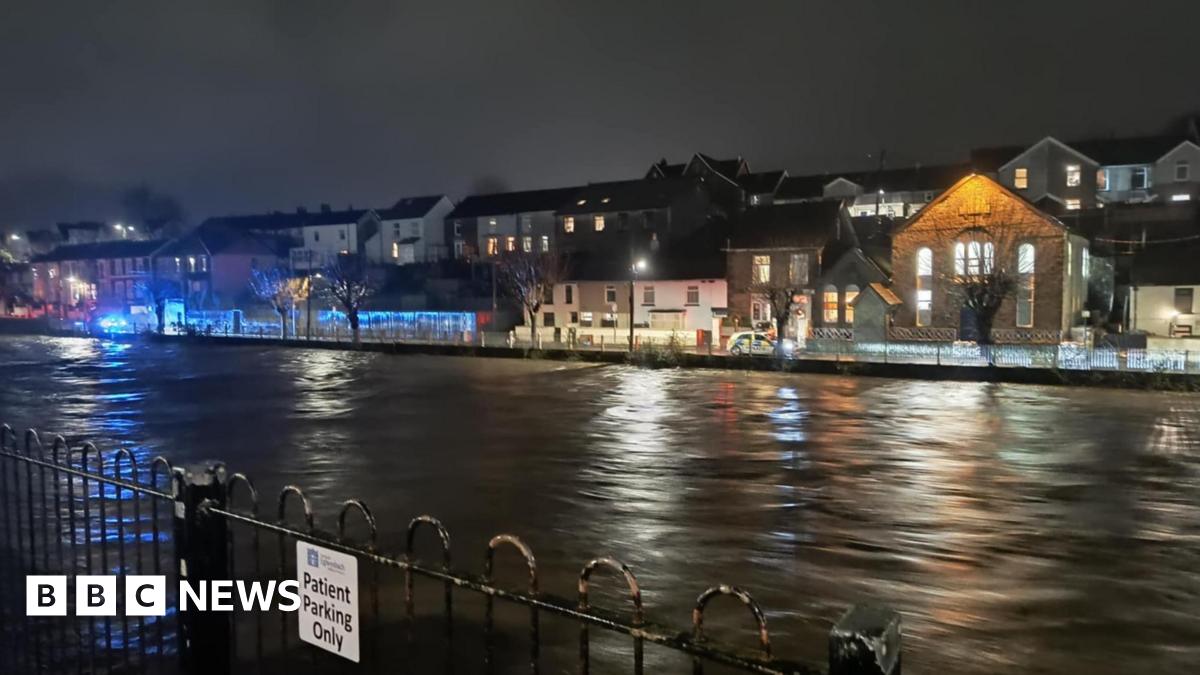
[{"x": 146, "y": 595}]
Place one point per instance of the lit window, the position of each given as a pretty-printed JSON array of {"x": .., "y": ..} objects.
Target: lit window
[
  {"x": 545, "y": 243},
  {"x": 1183, "y": 170},
  {"x": 1073, "y": 174},
  {"x": 610, "y": 294},
  {"x": 1086, "y": 263},
  {"x": 648, "y": 295},
  {"x": 1025, "y": 285},
  {"x": 924, "y": 287},
  {"x": 1073, "y": 204},
  {"x": 460, "y": 248},
  {"x": 527, "y": 244},
  {"x": 598, "y": 222},
  {"x": 760, "y": 271},
  {"x": 191, "y": 263},
  {"x": 760, "y": 311},
  {"x": 1021, "y": 178},
  {"x": 1140, "y": 180},
  {"x": 1101, "y": 179},
  {"x": 693, "y": 295},
  {"x": 395, "y": 249},
  {"x": 493, "y": 245},
  {"x": 510, "y": 244},
  {"x": 585, "y": 319},
  {"x": 581, "y": 202},
  {"x": 973, "y": 258},
  {"x": 569, "y": 224},
  {"x": 830, "y": 304},
  {"x": 848, "y": 300},
  {"x": 491, "y": 225},
  {"x": 1181, "y": 198},
  {"x": 605, "y": 200},
  {"x": 798, "y": 269}
]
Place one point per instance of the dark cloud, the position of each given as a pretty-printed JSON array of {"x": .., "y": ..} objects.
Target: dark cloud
[{"x": 259, "y": 105}]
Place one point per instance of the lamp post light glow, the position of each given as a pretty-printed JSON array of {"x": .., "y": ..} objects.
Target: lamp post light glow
[{"x": 638, "y": 266}]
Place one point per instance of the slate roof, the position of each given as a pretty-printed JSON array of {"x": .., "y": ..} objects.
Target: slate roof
[
  {"x": 728, "y": 168},
  {"x": 933, "y": 178},
  {"x": 122, "y": 248},
  {"x": 803, "y": 225},
  {"x": 410, "y": 207},
  {"x": 631, "y": 195},
  {"x": 889, "y": 298},
  {"x": 505, "y": 203},
  {"x": 794, "y": 188}
]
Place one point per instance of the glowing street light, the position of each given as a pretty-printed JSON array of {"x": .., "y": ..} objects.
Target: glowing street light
[{"x": 638, "y": 265}]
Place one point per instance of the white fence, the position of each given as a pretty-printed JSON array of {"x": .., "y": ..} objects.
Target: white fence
[{"x": 1066, "y": 356}]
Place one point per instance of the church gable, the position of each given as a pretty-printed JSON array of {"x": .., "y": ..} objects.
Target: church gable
[{"x": 980, "y": 202}]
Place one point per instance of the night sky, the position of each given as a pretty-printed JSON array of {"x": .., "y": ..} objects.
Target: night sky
[{"x": 246, "y": 105}]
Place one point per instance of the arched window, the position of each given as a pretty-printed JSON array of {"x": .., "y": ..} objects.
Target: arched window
[
  {"x": 1026, "y": 269},
  {"x": 924, "y": 286},
  {"x": 974, "y": 258},
  {"x": 848, "y": 300},
  {"x": 830, "y": 304}
]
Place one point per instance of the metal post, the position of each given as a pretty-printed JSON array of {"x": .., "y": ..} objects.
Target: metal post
[
  {"x": 865, "y": 641},
  {"x": 201, "y": 555},
  {"x": 632, "y": 281}
]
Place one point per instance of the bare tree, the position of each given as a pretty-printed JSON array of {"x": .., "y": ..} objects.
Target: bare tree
[
  {"x": 155, "y": 292},
  {"x": 780, "y": 294},
  {"x": 348, "y": 281},
  {"x": 528, "y": 278},
  {"x": 281, "y": 291}
]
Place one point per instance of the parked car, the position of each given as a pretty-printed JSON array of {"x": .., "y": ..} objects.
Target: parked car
[
  {"x": 758, "y": 344},
  {"x": 747, "y": 333}
]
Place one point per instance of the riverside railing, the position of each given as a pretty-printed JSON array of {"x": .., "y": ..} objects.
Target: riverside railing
[{"x": 73, "y": 510}]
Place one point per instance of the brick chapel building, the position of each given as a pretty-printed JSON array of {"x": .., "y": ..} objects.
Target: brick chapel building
[{"x": 978, "y": 224}]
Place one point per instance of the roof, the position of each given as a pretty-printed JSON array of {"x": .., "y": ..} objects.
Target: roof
[
  {"x": 963, "y": 181},
  {"x": 914, "y": 178},
  {"x": 631, "y": 195},
  {"x": 121, "y": 248},
  {"x": 279, "y": 220},
  {"x": 802, "y": 225},
  {"x": 214, "y": 237},
  {"x": 64, "y": 228},
  {"x": 504, "y": 203},
  {"x": 1111, "y": 151},
  {"x": 410, "y": 207},
  {"x": 797, "y": 188},
  {"x": 729, "y": 168},
  {"x": 764, "y": 182},
  {"x": 1138, "y": 150},
  {"x": 1125, "y": 228},
  {"x": 874, "y": 234},
  {"x": 697, "y": 256},
  {"x": 661, "y": 169},
  {"x": 889, "y": 298},
  {"x": 1167, "y": 264}
]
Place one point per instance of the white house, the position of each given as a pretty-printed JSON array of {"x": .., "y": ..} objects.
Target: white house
[{"x": 411, "y": 231}]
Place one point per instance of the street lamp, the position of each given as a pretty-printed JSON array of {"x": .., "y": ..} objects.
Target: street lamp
[{"x": 638, "y": 266}]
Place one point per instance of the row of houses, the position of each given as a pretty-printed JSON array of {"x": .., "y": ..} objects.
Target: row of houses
[{"x": 1102, "y": 231}]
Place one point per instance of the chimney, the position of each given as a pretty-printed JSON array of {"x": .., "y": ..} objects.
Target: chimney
[{"x": 325, "y": 208}]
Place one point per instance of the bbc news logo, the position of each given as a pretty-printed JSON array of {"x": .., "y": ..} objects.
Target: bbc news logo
[{"x": 146, "y": 595}]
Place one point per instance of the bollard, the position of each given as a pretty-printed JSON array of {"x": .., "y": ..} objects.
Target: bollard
[
  {"x": 865, "y": 641},
  {"x": 201, "y": 555}
]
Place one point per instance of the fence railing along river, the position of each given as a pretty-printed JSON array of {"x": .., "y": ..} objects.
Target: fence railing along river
[{"x": 70, "y": 509}]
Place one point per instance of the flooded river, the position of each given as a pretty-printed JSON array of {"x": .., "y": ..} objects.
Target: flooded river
[{"x": 1018, "y": 529}]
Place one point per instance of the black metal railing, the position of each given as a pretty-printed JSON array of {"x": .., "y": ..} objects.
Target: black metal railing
[{"x": 72, "y": 512}]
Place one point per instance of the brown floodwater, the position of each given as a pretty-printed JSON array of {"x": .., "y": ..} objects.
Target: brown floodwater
[{"x": 1018, "y": 529}]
